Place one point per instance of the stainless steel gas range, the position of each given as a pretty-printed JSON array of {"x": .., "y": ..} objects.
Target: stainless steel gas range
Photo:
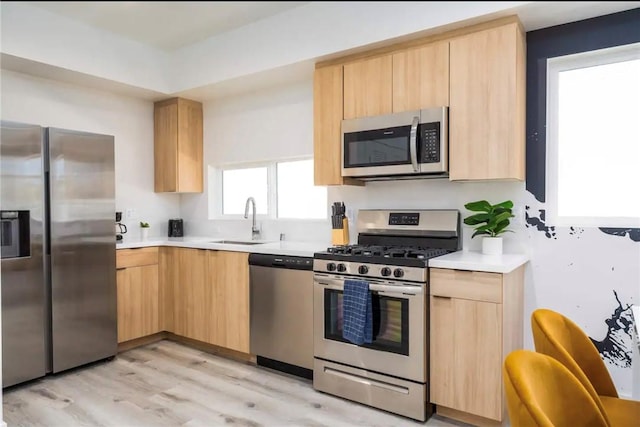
[{"x": 392, "y": 255}]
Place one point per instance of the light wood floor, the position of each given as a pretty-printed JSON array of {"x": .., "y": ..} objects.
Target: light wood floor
[{"x": 168, "y": 384}]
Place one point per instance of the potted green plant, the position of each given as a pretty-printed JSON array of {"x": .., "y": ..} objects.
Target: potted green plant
[
  {"x": 490, "y": 221},
  {"x": 144, "y": 230}
]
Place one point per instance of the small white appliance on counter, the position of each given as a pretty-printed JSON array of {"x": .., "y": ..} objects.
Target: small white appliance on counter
[{"x": 392, "y": 256}]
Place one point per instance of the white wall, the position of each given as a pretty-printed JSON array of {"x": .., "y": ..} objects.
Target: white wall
[
  {"x": 39, "y": 35},
  {"x": 269, "y": 124},
  {"x": 435, "y": 194},
  {"x": 313, "y": 31},
  {"x": 307, "y": 33},
  {"x": 47, "y": 103}
]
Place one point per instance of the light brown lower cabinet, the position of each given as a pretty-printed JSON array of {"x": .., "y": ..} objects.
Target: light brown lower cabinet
[
  {"x": 204, "y": 295},
  {"x": 190, "y": 285},
  {"x": 229, "y": 300},
  {"x": 137, "y": 294},
  {"x": 475, "y": 321}
]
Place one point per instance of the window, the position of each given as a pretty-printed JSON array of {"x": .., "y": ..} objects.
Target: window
[
  {"x": 594, "y": 138},
  {"x": 240, "y": 184},
  {"x": 281, "y": 190}
]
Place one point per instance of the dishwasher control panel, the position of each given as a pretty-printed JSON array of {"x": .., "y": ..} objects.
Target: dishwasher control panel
[{"x": 281, "y": 261}]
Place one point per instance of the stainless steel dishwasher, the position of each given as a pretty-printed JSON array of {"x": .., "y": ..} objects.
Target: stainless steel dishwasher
[{"x": 281, "y": 305}]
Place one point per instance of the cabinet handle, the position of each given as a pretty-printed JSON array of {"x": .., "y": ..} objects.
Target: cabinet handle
[
  {"x": 440, "y": 296},
  {"x": 121, "y": 268}
]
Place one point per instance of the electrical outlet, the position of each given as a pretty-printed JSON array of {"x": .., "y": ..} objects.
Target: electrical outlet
[{"x": 130, "y": 213}]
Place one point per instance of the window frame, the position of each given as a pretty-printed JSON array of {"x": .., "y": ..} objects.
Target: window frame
[
  {"x": 216, "y": 198},
  {"x": 555, "y": 66}
]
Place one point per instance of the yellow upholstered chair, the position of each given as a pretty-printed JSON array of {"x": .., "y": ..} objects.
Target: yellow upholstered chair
[
  {"x": 557, "y": 336},
  {"x": 541, "y": 392}
]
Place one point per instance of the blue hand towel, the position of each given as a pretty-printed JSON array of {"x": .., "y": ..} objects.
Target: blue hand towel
[{"x": 356, "y": 312}]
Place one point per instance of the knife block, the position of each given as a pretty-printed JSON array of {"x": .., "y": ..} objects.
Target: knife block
[{"x": 340, "y": 236}]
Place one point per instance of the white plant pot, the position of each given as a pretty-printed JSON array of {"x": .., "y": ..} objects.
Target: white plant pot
[
  {"x": 492, "y": 245},
  {"x": 144, "y": 233}
]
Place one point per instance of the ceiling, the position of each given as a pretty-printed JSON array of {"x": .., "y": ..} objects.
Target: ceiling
[
  {"x": 163, "y": 28},
  {"x": 167, "y": 25}
]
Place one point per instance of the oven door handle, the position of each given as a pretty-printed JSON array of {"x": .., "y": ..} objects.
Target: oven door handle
[
  {"x": 338, "y": 285},
  {"x": 413, "y": 144}
]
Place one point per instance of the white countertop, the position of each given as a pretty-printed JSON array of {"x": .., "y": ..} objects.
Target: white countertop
[
  {"x": 461, "y": 260},
  {"x": 292, "y": 248},
  {"x": 476, "y": 261}
]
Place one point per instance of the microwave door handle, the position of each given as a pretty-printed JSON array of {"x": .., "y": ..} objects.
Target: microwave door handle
[{"x": 413, "y": 144}]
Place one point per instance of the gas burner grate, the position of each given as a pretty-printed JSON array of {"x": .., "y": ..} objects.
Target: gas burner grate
[{"x": 387, "y": 251}]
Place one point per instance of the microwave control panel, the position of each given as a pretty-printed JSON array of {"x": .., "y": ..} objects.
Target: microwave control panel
[{"x": 429, "y": 142}]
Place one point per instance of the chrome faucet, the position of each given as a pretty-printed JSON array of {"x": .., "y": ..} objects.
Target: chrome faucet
[{"x": 255, "y": 233}]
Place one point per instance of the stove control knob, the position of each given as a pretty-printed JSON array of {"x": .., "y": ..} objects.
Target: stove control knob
[
  {"x": 331, "y": 266},
  {"x": 386, "y": 271},
  {"x": 342, "y": 268},
  {"x": 398, "y": 272},
  {"x": 363, "y": 269}
]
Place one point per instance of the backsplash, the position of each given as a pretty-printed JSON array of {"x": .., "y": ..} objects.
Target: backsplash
[
  {"x": 409, "y": 194},
  {"x": 293, "y": 230},
  {"x": 436, "y": 194}
]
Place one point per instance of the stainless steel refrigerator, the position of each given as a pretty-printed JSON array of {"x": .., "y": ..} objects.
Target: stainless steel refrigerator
[{"x": 58, "y": 270}]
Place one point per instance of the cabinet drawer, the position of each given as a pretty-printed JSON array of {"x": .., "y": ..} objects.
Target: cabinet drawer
[
  {"x": 472, "y": 285},
  {"x": 136, "y": 257}
]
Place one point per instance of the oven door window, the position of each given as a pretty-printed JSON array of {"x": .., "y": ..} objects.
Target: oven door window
[
  {"x": 380, "y": 147},
  {"x": 390, "y": 321},
  {"x": 6, "y": 235}
]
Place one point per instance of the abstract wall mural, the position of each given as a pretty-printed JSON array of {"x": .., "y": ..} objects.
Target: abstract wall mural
[
  {"x": 591, "y": 274},
  {"x": 591, "y": 277},
  {"x": 633, "y": 233},
  {"x": 615, "y": 347},
  {"x": 539, "y": 223}
]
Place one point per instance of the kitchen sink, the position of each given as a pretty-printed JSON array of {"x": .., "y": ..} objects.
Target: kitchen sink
[{"x": 238, "y": 242}]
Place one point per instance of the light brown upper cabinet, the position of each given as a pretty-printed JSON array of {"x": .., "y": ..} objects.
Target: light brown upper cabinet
[
  {"x": 478, "y": 71},
  {"x": 487, "y": 105},
  {"x": 327, "y": 120},
  {"x": 367, "y": 87},
  {"x": 421, "y": 77},
  {"x": 178, "y": 146},
  {"x": 327, "y": 117}
]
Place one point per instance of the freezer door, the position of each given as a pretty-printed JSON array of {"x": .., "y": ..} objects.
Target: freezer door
[
  {"x": 83, "y": 263},
  {"x": 23, "y": 286}
]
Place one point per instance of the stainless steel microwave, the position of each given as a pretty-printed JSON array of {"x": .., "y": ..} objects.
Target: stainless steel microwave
[{"x": 411, "y": 144}]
